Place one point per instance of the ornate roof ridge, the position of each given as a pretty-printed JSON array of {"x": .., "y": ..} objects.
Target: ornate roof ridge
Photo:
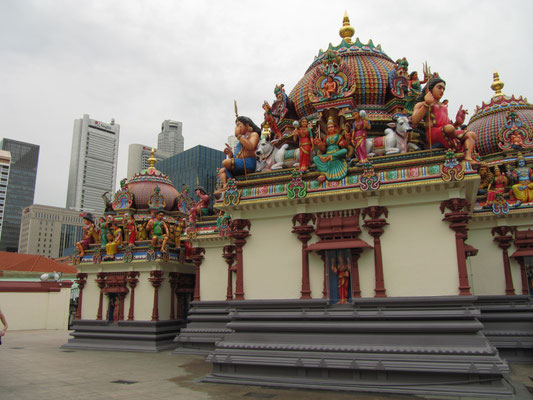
[
  {"x": 497, "y": 102},
  {"x": 151, "y": 174}
]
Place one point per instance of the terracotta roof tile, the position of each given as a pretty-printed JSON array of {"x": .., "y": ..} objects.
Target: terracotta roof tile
[{"x": 32, "y": 263}]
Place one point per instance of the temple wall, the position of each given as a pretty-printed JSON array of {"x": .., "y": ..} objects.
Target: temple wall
[
  {"x": 164, "y": 299},
  {"x": 91, "y": 293},
  {"x": 144, "y": 298},
  {"x": 214, "y": 273}
]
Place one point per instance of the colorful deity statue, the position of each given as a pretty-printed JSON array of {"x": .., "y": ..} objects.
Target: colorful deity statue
[
  {"x": 343, "y": 275},
  {"x": 132, "y": 230},
  {"x": 244, "y": 162},
  {"x": 330, "y": 87},
  {"x": 141, "y": 232},
  {"x": 178, "y": 231},
  {"x": 89, "y": 234},
  {"x": 158, "y": 231},
  {"x": 304, "y": 135},
  {"x": 522, "y": 190},
  {"x": 332, "y": 163},
  {"x": 486, "y": 178},
  {"x": 439, "y": 128},
  {"x": 414, "y": 90},
  {"x": 202, "y": 206},
  {"x": 103, "y": 231},
  {"x": 496, "y": 186},
  {"x": 358, "y": 135},
  {"x": 111, "y": 248}
]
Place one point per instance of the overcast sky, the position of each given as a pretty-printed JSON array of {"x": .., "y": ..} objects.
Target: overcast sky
[{"x": 142, "y": 62}]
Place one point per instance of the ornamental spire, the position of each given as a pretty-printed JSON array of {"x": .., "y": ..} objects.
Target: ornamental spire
[
  {"x": 347, "y": 31},
  {"x": 152, "y": 160},
  {"x": 497, "y": 85}
]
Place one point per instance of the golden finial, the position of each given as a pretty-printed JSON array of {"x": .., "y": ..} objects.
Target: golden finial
[
  {"x": 497, "y": 85},
  {"x": 152, "y": 160},
  {"x": 347, "y": 31}
]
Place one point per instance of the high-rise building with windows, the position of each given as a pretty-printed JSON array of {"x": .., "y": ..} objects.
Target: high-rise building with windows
[
  {"x": 170, "y": 140},
  {"x": 50, "y": 231},
  {"x": 93, "y": 163},
  {"x": 138, "y": 155},
  {"x": 5, "y": 162},
  {"x": 20, "y": 188},
  {"x": 196, "y": 165}
]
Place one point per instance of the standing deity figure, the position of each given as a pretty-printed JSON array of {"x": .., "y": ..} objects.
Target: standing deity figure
[
  {"x": 522, "y": 175},
  {"x": 242, "y": 163},
  {"x": 104, "y": 231},
  {"x": 360, "y": 127},
  {"x": 332, "y": 163},
  {"x": 202, "y": 207},
  {"x": 89, "y": 234},
  {"x": 439, "y": 128},
  {"x": 496, "y": 186},
  {"x": 159, "y": 231},
  {"x": 132, "y": 230},
  {"x": 304, "y": 135},
  {"x": 111, "y": 248},
  {"x": 343, "y": 275},
  {"x": 178, "y": 231}
]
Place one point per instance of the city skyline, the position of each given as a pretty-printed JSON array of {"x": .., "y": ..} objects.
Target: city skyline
[{"x": 208, "y": 62}]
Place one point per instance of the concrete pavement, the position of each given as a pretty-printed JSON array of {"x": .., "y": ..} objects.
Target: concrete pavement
[{"x": 33, "y": 366}]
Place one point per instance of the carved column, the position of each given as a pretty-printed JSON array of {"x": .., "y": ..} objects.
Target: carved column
[
  {"x": 156, "y": 277},
  {"x": 173, "y": 287},
  {"x": 304, "y": 232},
  {"x": 375, "y": 225},
  {"x": 197, "y": 259},
  {"x": 325, "y": 278},
  {"x": 523, "y": 275},
  {"x": 228, "y": 253},
  {"x": 132, "y": 279},
  {"x": 354, "y": 273},
  {"x": 458, "y": 220},
  {"x": 100, "y": 281},
  {"x": 523, "y": 241},
  {"x": 122, "y": 297},
  {"x": 239, "y": 234},
  {"x": 81, "y": 281},
  {"x": 504, "y": 237}
]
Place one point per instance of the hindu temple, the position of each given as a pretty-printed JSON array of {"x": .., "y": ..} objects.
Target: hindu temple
[{"x": 359, "y": 239}]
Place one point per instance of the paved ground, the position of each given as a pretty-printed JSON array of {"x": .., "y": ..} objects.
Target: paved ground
[{"x": 33, "y": 366}]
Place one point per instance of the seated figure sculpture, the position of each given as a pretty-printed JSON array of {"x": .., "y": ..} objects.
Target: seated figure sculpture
[
  {"x": 439, "y": 128},
  {"x": 244, "y": 162},
  {"x": 159, "y": 231},
  {"x": 89, "y": 234},
  {"x": 332, "y": 163},
  {"x": 111, "y": 248},
  {"x": 522, "y": 190}
]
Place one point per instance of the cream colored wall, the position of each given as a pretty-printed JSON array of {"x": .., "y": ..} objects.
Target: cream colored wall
[
  {"x": 272, "y": 260},
  {"x": 214, "y": 272},
  {"x": 164, "y": 299},
  {"x": 47, "y": 310},
  {"x": 144, "y": 298}
]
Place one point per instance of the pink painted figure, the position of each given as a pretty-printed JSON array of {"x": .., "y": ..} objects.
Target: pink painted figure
[
  {"x": 498, "y": 184},
  {"x": 202, "y": 207},
  {"x": 304, "y": 134},
  {"x": 343, "y": 275},
  {"x": 360, "y": 127},
  {"x": 330, "y": 87},
  {"x": 132, "y": 231}
]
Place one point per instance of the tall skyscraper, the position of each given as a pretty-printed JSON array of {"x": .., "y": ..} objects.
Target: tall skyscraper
[
  {"x": 198, "y": 164},
  {"x": 93, "y": 163},
  {"x": 5, "y": 162},
  {"x": 138, "y": 155},
  {"x": 20, "y": 189},
  {"x": 170, "y": 140}
]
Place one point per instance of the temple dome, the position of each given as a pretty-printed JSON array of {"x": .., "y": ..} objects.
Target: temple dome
[
  {"x": 367, "y": 62},
  {"x": 491, "y": 121},
  {"x": 144, "y": 183}
]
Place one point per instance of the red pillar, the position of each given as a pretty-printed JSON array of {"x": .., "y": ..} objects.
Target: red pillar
[
  {"x": 458, "y": 219},
  {"x": 100, "y": 281},
  {"x": 132, "y": 279},
  {"x": 197, "y": 259},
  {"x": 504, "y": 237},
  {"x": 239, "y": 234},
  {"x": 354, "y": 273},
  {"x": 81, "y": 281},
  {"x": 173, "y": 287},
  {"x": 156, "y": 277},
  {"x": 375, "y": 225},
  {"x": 523, "y": 275},
  {"x": 228, "y": 253},
  {"x": 304, "y": 232}
]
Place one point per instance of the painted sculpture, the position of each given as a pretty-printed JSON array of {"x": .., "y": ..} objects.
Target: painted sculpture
[
  {"x": 89, "y": 234},
  {"x": 304, "y": 134},
  {"x": 522, "y": 190},
  {"x": 111, "y": 248},
  {"x": 339, "y": 266},
  {"x": 159, "y": 231},
  {"x": 202, "y": 206},
  {"x": 244, "y": 162},
  {"x": 332, "y": 163},
  {"x": 358, "y": 137},
  {"x": 497, "y": 186},
  {"x": 102, "y": 226},
  {"x": 439, "y": 128},
  {"x": 132, "y": 230}
]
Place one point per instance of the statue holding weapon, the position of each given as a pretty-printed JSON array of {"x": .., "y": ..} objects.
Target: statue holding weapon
[{"x": 244, "y": 161}]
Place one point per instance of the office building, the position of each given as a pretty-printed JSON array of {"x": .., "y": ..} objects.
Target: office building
[
  {"x": 198, "y": 164},
  {"x": 50, "y": 231},
  {"x": 93, "y": 163},
  {"x": 138, "y": 155},
  {"x": 5, "y": 161},
  {"x": 170, "y": 140},
  {"x": 20, "y": 189}
]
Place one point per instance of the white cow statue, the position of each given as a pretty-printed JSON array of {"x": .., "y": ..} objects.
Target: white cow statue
[
  {"x": 394, "y": 141},
  {"x": 271, "y": 158},
  {"x": 53, "y": 276}
]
